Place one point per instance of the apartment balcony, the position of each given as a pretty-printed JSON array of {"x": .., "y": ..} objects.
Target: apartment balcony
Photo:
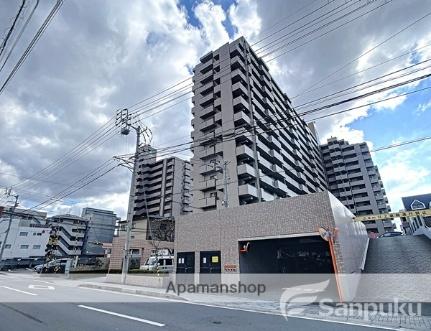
[
  {"x": 206, "y": 88},
  {"x": 266, "y": 196},
  {"x": 244, "y": 151},
  {"x": 207, "y": 112},
  {"x": 67, "y": 251},
  {"x": 206, "y": 202},
  {"x": 353, "y": 167},
  {"x": 203, "y": 78},
  {"x": 240, "y": 102},
  {"x": 238, "y": 74},
  {"x": 241, "y": 118},
  {"x": 207, "y": 184},
  {"x": 372, "y": 172},
  {"x": 207, "y": 168},
  {"x": 281, "y": 187},
  {"x": 274, "y": 142},
  {"x": 247, "y": 191},
  {"x": 239, "y": 86},
  {"x": 276, "y": 156},
  {"x": 206, "y": 100},
  {"x": 208, "y": 124},
  {"x": 363, "y": 208},
  {"x": 341, "y": 177},
  {"x": 263, "y": 163},
  {"x": 267, "y": 183},
  {"x": 263, "y": 149},
  {"x": 212, "y": 134},
  {"x": 278, "y": 171},
  {"x": 238, "y": 59},
  {"x": 210, "y": 151},
  {"x": 246, "y": 170},
  {"x": 361, "y": 199}
]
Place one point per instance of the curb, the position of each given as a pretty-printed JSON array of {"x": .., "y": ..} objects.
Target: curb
[{"x": 133, "y": 291}]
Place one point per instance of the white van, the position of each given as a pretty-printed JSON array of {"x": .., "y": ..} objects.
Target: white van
[{"x": 164, "y": 263}]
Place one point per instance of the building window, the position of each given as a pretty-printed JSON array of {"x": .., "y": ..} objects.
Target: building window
[
  {"x": 23, "y": 234},
  {"x": 36, "y": 246},
  {"x": 7, "y": 246},
  {"x": 23, "y": 247}
]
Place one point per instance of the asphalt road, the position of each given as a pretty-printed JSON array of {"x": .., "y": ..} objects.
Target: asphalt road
[{"x": 28, "y": 302}]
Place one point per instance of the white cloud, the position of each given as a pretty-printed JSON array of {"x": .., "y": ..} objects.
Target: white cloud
[
  {"x": 404, "y": 171},
  {"x": 424, "y": 107},
  {"x": 245, "y": 18},
  {"x": 211, "y": 17}
]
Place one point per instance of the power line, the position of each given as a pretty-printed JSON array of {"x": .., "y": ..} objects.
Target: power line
[
  {"x": 19, "y": 35},
  {"x": 32, "y": 43},
  {"x": 9, "y": 33},
  {"x": 392, "y": 36}
]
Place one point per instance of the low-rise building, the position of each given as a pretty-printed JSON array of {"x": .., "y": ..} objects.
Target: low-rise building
[
  {"x": 27, "y": 238},
  {"x": 417, "y": 225},
  {"x": 68, "y": 232}
]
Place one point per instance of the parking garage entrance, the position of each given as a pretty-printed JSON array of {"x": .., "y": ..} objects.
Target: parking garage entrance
[{"x": 305, "y": 255}]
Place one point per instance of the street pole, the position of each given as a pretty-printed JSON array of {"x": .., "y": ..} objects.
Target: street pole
[
  {"x": 12, "y": 210},
  {"x": 225, "y": 179},
  {"x": 129, "y": 222}
]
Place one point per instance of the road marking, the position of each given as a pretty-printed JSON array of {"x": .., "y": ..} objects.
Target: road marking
[
  {"x": 41, "y": 287},
  {"x": 16, "y": 290},
  {"x": 374, "y": 326},
  {"x": 122, "y": 315},
  {"x": 43, "y": 281}
]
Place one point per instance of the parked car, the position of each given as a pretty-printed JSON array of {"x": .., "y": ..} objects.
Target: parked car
[
  {"x": 164, "y": 263},
  {"x": 54, "y": 266},
  {"x": 391, "y": 234}
]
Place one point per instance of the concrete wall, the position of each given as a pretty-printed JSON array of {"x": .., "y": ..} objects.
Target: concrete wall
[{"x": 351, "y": 238}]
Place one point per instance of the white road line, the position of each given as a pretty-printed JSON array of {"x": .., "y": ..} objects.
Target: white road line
[
  {"x": 122, "y": 315},
  {"x": 16, "y": 290},
  {"x": 375, "y": 326},
  {"x": 43, "y": 281}
]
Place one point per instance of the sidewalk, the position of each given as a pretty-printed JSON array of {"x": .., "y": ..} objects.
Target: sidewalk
[{"x": 272, "y": 307}]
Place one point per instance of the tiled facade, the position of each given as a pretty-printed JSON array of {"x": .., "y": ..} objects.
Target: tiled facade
[
  {"x": 222, "y": 230},
  {"x": 355, "y": 181},
  {"x": 242, "y": 117}
]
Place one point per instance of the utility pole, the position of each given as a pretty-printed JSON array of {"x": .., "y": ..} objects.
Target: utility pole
[
  {"x": 223, "y": 169},
  {"x": 123, "y": 120},
  {"x": 11, "y": 212}
]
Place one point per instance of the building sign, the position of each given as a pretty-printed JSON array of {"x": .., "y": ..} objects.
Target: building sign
[
  {"x": 385, "y": 216},
  {"x": 230, "y": 267}
]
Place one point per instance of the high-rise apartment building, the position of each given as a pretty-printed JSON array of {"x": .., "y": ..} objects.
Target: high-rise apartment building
[
  {"x": 163, "y": 187},
  {"x": 355, "y": 181},
  {"x": 101, "y": 228},
  {"x": 244, "y": 123}
]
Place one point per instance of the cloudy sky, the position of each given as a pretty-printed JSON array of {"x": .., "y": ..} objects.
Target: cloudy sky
[{"x": 98, "y": 56}]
